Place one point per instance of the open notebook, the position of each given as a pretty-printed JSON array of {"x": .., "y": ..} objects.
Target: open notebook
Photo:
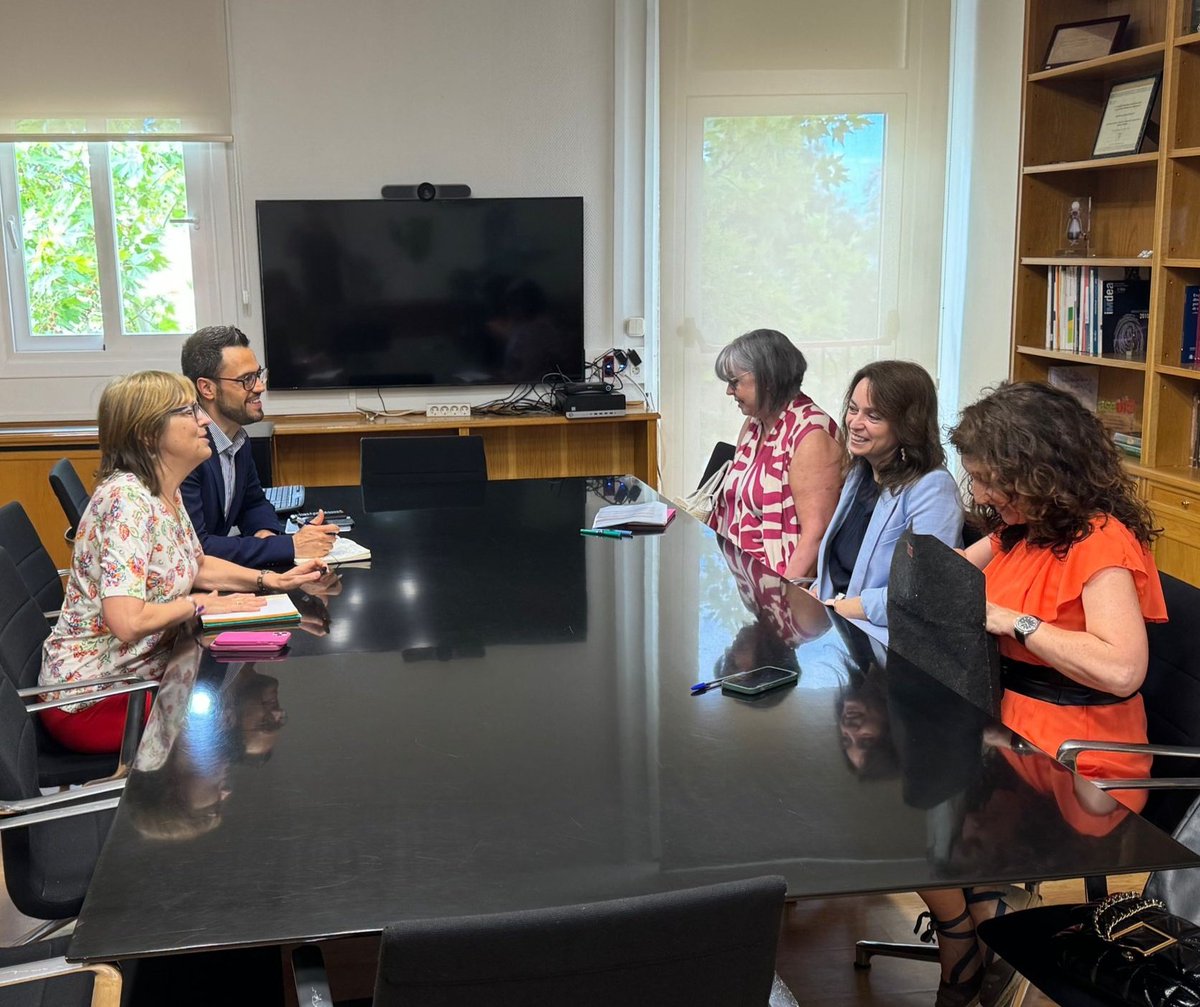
[{"x": 634, "y": 516}]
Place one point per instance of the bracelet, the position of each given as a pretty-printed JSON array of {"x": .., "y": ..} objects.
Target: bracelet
[{"x": 261, "y": 577}]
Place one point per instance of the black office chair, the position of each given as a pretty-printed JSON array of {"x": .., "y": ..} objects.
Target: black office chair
[
  {"x": 1024, "y": 939},
  {"x": 262, "y": 439},
  {"x": 712, "y": 945},
  {"x": 722, "y": 452},
  {"x": 404, "y": 460},
  {"x": 403, "y": 473},
  {"x": 1171, "y": 693},
  {"x": 37, "y": 569},
  {"x": 37, "y": 975},
  {"x": 50, "y": 843},
  {"x": 72, "y": 494},
  {"x": 23, "y": 630}
]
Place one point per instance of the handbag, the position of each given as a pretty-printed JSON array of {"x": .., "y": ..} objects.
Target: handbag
[
  {"x": 1129, "y": 949},
  {"x": 703, "y": 501}
]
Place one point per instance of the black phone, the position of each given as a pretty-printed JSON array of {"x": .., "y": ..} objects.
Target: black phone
[{"x": 756, "y": 680}]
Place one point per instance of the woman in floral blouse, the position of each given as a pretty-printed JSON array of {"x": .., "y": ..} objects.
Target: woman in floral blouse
[{"x": 137, "y": 561}]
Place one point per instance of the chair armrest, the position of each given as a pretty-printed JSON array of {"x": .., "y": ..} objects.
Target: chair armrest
[
  {"x": 60, "y": 797},
  {"x": 37, "y": 690},
  {"x": 308, "y": 970},
  {"x": 53, "y": 814},
  {"x": 116, "y": 690},
  {"x": 1068, "y": 751},
  {"x": 106, "y": 988}
]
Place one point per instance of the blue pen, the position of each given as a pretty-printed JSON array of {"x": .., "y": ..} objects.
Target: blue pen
[{"x": 606, "y": 532}]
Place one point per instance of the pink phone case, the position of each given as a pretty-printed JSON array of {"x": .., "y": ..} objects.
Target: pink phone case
[{"x": 243, "y": 641}]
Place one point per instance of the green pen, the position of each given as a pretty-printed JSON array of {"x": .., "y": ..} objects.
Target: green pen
[{"x": 606, "y": 532}]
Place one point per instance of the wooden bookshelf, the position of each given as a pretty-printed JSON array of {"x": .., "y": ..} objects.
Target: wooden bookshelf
[{"x": 1144, "y": 202}]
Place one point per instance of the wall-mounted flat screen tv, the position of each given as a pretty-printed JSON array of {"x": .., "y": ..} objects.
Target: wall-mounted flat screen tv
[{"x": 385, "y": 293}]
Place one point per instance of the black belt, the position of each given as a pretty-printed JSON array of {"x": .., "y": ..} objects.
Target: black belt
[{"x": 1050, "y": 686}]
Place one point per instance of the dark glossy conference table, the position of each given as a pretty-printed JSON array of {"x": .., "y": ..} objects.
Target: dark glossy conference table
[{"x": 496, "y": 715}]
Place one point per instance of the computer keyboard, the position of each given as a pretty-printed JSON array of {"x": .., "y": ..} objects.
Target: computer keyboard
[{"x": 285, "y": 499}]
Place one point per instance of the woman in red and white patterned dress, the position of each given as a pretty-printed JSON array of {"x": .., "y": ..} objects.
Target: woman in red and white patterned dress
[{"x": 782, "y": 487}]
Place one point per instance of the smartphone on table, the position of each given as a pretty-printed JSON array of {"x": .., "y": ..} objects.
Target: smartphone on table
[
  {"x": 250, "y": 642},
  {"x": 758, "y": 680}
]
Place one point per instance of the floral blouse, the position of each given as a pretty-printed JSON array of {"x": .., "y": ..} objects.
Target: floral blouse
[{"x": 129, "y": 544}]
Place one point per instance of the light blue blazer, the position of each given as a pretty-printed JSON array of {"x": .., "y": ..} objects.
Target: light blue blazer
[{"x": 930, "y": 506}]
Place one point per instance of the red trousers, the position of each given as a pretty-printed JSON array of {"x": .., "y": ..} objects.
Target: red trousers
[{"x": 95, "y": 729}]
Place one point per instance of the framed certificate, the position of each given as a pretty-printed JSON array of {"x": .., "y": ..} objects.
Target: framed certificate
[
  {"x": 1126, "y": 113},
  {"x": 1080, "y": 40}
]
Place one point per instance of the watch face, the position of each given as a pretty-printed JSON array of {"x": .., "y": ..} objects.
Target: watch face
[{"x": 1025, "y": 625}]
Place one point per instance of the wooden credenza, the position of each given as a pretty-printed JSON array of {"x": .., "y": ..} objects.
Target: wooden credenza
[{"x": 323, "y": 450}]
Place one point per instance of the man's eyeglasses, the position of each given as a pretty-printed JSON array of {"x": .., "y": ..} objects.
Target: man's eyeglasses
[
  {"x": 192, "y": 409},
  {"x": 248, "y": 381}
]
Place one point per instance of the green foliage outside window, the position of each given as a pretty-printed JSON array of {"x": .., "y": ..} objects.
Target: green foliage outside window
[
  {"x": 58, "y": 228},
  {"x": 791, "y": 225}
]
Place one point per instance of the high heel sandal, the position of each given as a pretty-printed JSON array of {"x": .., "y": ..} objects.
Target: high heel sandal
[
  {"x": 1001, "y": 981},
  {"x": 956, "y": 991}
]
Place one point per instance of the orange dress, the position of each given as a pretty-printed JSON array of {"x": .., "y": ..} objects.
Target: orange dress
[{"x": 1034, "y": 581}]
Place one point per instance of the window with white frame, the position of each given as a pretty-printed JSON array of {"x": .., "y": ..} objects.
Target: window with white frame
[{"x": 107, "y": 243}]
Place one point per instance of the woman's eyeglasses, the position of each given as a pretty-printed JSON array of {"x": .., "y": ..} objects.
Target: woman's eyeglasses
[
  {"x": 248, "y": 381},
  {"x": 732, "y": 383},
  {"x": 192, "y": 409}
]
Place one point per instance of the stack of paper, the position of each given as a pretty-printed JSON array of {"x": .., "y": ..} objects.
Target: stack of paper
[
  {"x": 643, "y": 515},
  {"x": 278, "y": 609}
]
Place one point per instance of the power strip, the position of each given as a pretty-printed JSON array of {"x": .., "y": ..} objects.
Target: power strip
[{"x": 454, "y": 409}]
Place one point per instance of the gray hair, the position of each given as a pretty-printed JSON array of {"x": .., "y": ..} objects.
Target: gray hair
[
  {"x": 201, "y": 355},
  {"x": 777, "y": 365}
]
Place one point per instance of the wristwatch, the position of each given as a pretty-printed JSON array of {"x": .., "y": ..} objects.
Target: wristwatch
[{"x": 1025, "y": 626}]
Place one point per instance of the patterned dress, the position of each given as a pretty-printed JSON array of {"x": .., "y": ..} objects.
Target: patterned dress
[
  {"x": 754, "y": 507},
  {"x": 129, "y": 544}
]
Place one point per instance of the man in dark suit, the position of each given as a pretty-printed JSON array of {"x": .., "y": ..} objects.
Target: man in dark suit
[{"x": 223, "y": 494}]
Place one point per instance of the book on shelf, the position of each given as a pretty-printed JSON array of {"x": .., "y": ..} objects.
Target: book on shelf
[
  {"x": 1125, "y": 315},
  {"x": 1131, "y": 444},
  {"x": 1194, "y": 452},
  {"x": 1095, "y": 311},
  {"x": 1121, "y": 415},
  {"x": 278, "y": 610},
  {"x": 1191, "y": 320},
  {"x": 1081, "y": 380}
]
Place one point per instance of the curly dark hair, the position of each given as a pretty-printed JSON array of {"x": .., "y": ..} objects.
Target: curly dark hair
[{"x": 1041, "y": 446}]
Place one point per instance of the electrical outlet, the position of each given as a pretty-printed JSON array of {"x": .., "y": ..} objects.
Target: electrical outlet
[{"x": 444, "y": 410}]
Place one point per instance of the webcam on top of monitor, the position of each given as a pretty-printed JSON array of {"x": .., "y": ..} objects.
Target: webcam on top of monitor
[{"x": 425, "y": 191}]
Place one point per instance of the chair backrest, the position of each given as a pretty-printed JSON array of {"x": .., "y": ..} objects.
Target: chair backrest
[
  {"x": 696, "y": 947},
  {"x": 47, "y": 867},
  {"x": 1180, "y": 890},
  {"x": 403, "y": 461},
  {"x": 37, "y": 569},
  {"x": 722, "y": 452},
  {"x": 23, "y": 627},
  {"x": 72, "y": 494},
  {"x": 262, "y": 442},
  {"x": 1172, "y": 694}
]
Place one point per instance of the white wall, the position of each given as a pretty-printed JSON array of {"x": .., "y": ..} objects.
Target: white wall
[
  {"x": 991, "y": 214},
  {"x": 336, "y": 99}
]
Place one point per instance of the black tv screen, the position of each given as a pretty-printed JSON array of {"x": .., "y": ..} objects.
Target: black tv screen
[{"x": 371, "y": 293}]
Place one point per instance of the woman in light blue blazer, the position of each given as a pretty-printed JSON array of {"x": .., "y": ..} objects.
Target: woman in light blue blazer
[{"x": 897, "y": 479}]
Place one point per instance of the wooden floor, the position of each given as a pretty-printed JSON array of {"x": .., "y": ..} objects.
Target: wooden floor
[{"x": 816, "y": 947}]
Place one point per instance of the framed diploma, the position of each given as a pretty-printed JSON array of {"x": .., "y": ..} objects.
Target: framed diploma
[
  {"x": 1080, "y": 40},
  {"x": 1126, "y": 113}
]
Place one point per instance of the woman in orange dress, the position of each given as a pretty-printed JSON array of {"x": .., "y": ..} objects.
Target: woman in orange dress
[{"x": 1070, "y": 587}]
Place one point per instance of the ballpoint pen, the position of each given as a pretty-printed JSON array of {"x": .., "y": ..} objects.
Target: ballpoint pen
[
  {"x": 700, "y": 688},
  {"x": 606, "y": 532}
]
